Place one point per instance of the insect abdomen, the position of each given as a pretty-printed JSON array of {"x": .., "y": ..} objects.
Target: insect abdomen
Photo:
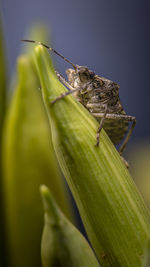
[{"x": 116, "y": 129}]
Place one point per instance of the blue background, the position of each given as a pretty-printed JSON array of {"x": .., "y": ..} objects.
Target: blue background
[{"x": 110, "y": 37}]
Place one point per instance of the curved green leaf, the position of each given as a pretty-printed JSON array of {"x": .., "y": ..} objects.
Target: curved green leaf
[
  {"x": 112, "y": 210},
  {"x": 62, "y": 244},
  {"x": 28, "y": 161}
]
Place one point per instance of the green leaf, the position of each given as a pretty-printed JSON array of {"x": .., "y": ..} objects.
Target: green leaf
[
  {"x": 62, "y": 244},
  {"x": 28, "y": 161},
  {"x": 112, "y": 210}
]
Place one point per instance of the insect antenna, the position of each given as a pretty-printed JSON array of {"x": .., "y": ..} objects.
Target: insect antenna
[{"x": 53, "y": 50}]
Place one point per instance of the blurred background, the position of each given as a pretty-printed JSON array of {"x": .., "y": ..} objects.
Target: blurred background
[{"x": 110, "y": 37}]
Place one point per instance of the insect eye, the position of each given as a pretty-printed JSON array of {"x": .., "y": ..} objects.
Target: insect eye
[
  {"x": 84, "y": 75},
  {"x": 92, "y": 74}
]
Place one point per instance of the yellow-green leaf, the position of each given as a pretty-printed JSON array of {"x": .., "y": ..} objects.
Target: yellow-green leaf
[
  {"x": 62, "y": 244},
  {"x": 28, "y": 161},
  {"x": 112, "y": 210}
]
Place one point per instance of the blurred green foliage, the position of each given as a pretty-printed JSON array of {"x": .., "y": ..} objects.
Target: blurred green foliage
[
  {"x": 146, "y": 261},
  {"x": 28, "y": 161},
  {"x": 140, "y": 168},
  {"x": 62, "y": 244}
]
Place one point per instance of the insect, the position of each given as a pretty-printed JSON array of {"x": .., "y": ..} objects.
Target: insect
[{"x": 101, "y": 97}]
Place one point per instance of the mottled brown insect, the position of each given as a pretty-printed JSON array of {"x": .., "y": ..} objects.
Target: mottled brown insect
[{"x": 101, "y": 97}]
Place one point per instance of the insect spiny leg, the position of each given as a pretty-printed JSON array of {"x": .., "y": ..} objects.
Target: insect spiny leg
[{"x": 101, "y": 126}]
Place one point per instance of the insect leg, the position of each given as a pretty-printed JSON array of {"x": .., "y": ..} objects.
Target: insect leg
[
  {"x": 65, "y": 94},
  {"x": 124, "y": 161},
  {"x": 114, "y": 116},
  {"x": 121, "y": 117},
  {"x": 123, "y": 146},
  {"x": 101, "y": 126},
  {"x": 63, "y": 81}
]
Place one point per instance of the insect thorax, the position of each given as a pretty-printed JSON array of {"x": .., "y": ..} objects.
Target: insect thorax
[{"x": 97, "y": 92}]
